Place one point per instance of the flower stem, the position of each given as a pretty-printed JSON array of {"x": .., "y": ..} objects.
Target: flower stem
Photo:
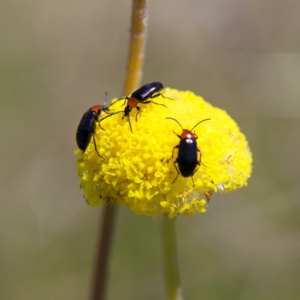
[
  {"x": 139, "y": 24},
  {"x": 169, "y": 249},
  {"x": 101, "y": 262}
]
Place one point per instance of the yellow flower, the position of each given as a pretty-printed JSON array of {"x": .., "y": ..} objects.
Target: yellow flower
[{"x": 135, "y": 170}]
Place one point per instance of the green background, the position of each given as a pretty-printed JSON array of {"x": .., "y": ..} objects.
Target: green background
[{"x": 58, "y": 58}]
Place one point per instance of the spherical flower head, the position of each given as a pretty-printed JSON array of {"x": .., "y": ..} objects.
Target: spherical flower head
[{"x": 136, "y": 168}]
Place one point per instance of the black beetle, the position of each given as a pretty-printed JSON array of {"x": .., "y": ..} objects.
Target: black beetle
[
  {"x": 142, "y": 95},
  {"x": 187, "y": 159},
  {"x": 86, "y": 127}
]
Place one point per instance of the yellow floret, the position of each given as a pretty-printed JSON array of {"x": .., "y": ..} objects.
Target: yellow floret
[{"x": 135, "y": 171}]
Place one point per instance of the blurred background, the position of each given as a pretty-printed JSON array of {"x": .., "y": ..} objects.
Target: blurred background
[{"x": 58, "y": 58}]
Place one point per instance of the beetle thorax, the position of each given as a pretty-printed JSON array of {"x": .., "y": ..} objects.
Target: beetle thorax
[
  {"x": 188, "y": 135},
  {"x": 97, "y": 109},
  {"x": 132, "y": 102}
]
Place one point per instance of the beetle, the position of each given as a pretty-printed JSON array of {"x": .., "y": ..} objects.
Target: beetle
[
  {"x": 187, "y": 158},
  {"x": 142, "y": 95},
  {"x": 148, "y": 91},
  {"x": 87, "y": 127}
]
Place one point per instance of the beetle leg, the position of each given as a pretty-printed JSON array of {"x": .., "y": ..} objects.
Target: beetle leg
[
  {"x": 137, "y": 113},
  {"x": 98, "y": 121},
  {"x": 195, "y": 172},
  {"x": 193, "y": 181},
  {"x": 199, "y": 162},
  {"x": 176, "y": 170},
  {"x": 173, "y": 153},
  {"x": 96, "y": 146},
  {"x": 147, "y": 102},
  {"x": 167, "y": 97},
  {"x": 100, "y": 126},
  {"x": 156, "y": 95},
  {"x": 129, "y": 124}
]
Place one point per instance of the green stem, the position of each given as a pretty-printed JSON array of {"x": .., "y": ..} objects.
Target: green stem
[
  {"x": 170, "y": 257},
  {"x": 139, "y": 24}
]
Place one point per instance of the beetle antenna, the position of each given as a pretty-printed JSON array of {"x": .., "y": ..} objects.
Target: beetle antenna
[
  {"x": 124, "y": 98},
  {"x": 105, "y": 98},
  {"x": 175, "y": 121},
  {"x": 199, "y": 123},
  {"x": 110, "y": 115}
]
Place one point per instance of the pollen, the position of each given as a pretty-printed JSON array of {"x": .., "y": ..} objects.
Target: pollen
[{"x": 136, "y": 168}]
